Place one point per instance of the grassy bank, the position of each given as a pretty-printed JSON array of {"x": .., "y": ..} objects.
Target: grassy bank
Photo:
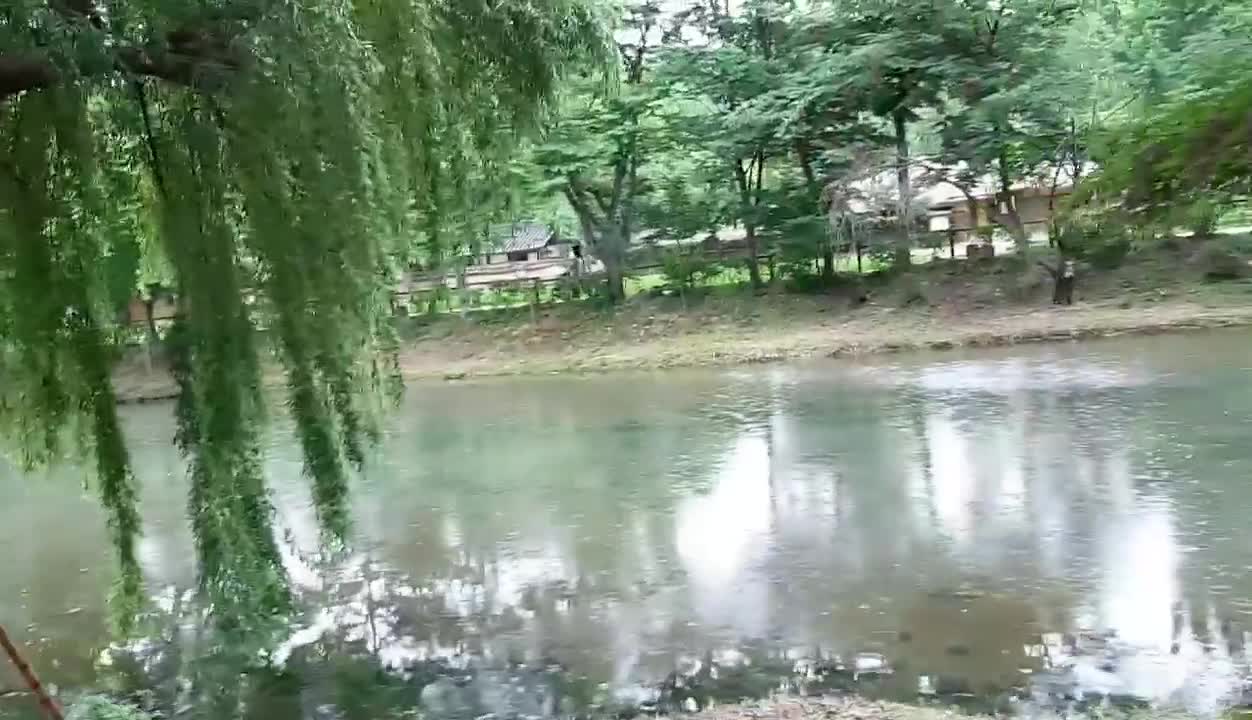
[{"x": 939, "y": 305}]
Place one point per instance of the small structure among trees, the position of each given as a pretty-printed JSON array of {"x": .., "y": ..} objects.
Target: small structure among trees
[
  {"x": 966, "y": 206},
  {"x": 523, "y": 242}
]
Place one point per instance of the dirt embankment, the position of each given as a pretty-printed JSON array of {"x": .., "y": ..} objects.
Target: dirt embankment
[{"x": 941, "y": 305}]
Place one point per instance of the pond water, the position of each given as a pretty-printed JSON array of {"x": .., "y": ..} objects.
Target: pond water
[{"x": 1058, "y": 522}]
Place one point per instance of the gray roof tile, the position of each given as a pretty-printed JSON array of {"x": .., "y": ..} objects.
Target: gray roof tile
[{"x": 520, "y": 237}]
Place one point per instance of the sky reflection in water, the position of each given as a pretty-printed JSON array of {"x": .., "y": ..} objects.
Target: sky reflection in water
[{"x": 957, "y": 515}]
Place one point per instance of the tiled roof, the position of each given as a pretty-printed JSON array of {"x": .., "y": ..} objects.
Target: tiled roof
[{"x": 520, "y": 237}]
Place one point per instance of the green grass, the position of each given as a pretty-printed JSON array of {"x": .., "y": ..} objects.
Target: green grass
[{"x": 736, "y": 275}]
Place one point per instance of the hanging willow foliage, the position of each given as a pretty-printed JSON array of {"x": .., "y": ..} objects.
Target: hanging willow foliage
[{"x": 284, "y": 153}]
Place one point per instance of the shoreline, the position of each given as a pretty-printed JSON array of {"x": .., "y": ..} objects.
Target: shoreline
[
  {"x": 736, "y": 331},
  {"x": 850, "y": 706},
  {"x": 826, "y": 707},
  {"x": 914, "y": 333}
]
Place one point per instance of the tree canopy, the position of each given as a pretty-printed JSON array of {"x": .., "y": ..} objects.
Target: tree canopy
[
  {"x": 773, "y": 114},
  {"x": 276, "y": 156}
]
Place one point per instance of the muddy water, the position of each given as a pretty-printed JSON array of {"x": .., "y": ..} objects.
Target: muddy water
[{"x": 1052, "y": 522}]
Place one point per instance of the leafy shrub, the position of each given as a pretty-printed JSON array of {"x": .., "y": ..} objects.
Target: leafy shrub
[
  {"x": 685, "y": 269},
  {"x": 1102, "y": 244},
  {"x": 1107, "y": 254},
  {"x": 803, "y": 280}
]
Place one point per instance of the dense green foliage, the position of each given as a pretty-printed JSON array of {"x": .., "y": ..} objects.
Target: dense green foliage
[
  {"x": 1186, "y": 142},
  {"x": 812, "y": 126},
  {"x": 274, "y": 158}
]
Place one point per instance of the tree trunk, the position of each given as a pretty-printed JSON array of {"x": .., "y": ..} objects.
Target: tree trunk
[
  {"x": 1012, "y": 223},
  {"x": 578, "y": 277},
  {"x": 1006, "y": 213},
  {"x": 615, "y": 281},
  {"x": 754, "y": 250},
  {"x": 974, "y": 209},
  {"x": 154, "y": 337},
  {"x": 1063, "y": 290},
  {"x": 463, "y": 289},
  {"x": 611, "y": 250},
  {"x": 745, "y": 180},
  {"x": 805, "y": 154},
  {"x": 904, "y": 187}
]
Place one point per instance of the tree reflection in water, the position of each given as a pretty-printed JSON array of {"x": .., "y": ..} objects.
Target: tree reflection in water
[{"x": 527, "y": 549}]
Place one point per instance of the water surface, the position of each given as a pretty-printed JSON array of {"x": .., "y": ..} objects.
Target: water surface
[{"x": 1067, "y": 520}]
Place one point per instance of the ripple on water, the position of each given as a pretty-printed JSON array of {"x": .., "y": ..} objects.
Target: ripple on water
[{"x": 1046, "y": 526}]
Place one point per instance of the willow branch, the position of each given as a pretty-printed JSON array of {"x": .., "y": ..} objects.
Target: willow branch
[
  {"x": 154, "y": 157},
  {"x": 197, "y": 56}
]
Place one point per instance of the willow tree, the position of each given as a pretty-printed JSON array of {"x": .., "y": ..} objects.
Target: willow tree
[{"x": 276, "y": 153}]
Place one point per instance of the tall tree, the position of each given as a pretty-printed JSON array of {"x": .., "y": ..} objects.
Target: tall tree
[
  {"x": 998, "y": 124},
  {"x": 594, "y": 149},
  {"x": 285, "y": 149},
  {"x": 816, "y": 108},
  {"x": 730, "y": 61},
  {"x": 895, "y": 56}
]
